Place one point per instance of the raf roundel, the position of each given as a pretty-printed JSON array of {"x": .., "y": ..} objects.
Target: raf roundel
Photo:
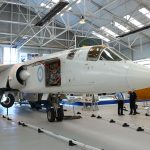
[{"x": 40, "y": 73}]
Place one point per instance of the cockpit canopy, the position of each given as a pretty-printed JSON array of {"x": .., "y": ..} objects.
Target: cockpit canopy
[
  {"x": 104, "y": 53},
  {"x": 100, "y": 53}
]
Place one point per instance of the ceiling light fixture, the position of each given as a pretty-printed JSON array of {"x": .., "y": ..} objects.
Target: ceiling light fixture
[{"x": 82, "y": 20}]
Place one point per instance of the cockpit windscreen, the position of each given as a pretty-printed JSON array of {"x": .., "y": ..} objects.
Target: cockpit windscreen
[
  {"x": 71, "y": 54},
  {"x": 94, "y": 53},
  {"x": 109, "y": 55}
]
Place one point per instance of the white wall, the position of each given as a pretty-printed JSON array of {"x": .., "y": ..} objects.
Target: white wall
[
  {"x": 1, "y": 55},
  {"x": 28, "y": 50},
  {"x": 142, "y": 52},
  {"x": 40, "y": 51},
  {"x": 127, "y": 52}
]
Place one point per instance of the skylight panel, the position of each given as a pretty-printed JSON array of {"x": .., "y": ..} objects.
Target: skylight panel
[
  {"x": 47, "y": 6},
  {"x": 100, "y": 36},
  {"x": 133, "y": 21},
  {"x": 109, "y": 31},
  {"x": 61, "y": 14},
  {"x": 69, "y": 8},
  {"x": 55, "y": 1},
  {"x": 121, "y": 27},
  {"x": 42, "y": 4},
  {"x": 145, "y": 12},
  {"x": 78, "y": 1}
]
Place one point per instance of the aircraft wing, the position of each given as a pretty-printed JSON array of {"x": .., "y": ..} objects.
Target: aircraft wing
[
  {"x": 5, "y": 67},
  {"x": 143, "y": 94},
  {"x": 4, "y": 74}
]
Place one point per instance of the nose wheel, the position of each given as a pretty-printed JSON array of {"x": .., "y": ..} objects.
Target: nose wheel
[{"x": 9, "y": 101}]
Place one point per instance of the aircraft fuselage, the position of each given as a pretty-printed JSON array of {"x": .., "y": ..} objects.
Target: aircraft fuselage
[{"x": 78, "y": 75}]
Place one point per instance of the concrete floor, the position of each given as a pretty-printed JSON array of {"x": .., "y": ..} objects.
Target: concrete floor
[{"x": 88, "y": 130}]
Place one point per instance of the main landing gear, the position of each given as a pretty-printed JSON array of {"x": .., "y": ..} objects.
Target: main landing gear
[
  {"x": 55, "y": 114},
  {"x": 54, "y": 110}
]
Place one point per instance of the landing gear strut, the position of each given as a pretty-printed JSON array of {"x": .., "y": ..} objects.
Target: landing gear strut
[
  {"x": 60, "y": 113},
  {"x": 55, "y": 111}
]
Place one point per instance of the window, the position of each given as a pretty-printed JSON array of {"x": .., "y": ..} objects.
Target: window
[
  {"x": 71, "y": 54},
  {"x": 94, "y": 53},
  {"x": 109, "y": 55},
  {"x": 109, "y": 31},
  {"x": 133, "y": 21},
  {"x": 10, "y": 55},
  {"x": 121, "y": 27},
  {"x": 145, "y": 12},
  {"x": 27, "y": 56}
]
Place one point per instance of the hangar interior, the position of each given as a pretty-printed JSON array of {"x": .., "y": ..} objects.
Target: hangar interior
[
  {"x": 121, "y": 24},
  {"x": 34, "y": 28}
]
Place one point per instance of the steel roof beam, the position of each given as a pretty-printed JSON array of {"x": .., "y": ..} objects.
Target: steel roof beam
[{"x": 56, "y": 9}]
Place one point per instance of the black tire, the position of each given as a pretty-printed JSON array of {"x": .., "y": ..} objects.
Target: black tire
[
  {"x": 38, "y": 106},
  {"x": 9, "y": 101},
  {"x": 51, "y": 115},
  {"x": 60, "y": 114},
  {"x": 35, "y": 105},
  {"x": 32, "y": 105}
]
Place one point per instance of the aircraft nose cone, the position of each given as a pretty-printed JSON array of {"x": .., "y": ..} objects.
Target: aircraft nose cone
[{"x": 138, "y": 76}]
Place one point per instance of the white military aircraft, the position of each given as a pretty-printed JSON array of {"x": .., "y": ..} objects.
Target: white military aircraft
[{"x": 92, "y": 69}]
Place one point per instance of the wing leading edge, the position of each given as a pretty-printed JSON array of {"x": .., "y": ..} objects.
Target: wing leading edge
[{"x": 4, "y": 67}]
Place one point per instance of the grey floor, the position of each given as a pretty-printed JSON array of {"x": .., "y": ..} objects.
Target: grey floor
[{"x": 88, "y": 130}]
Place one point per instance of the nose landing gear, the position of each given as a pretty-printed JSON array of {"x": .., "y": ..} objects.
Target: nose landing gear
[{"x": 9, "y": 101}]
